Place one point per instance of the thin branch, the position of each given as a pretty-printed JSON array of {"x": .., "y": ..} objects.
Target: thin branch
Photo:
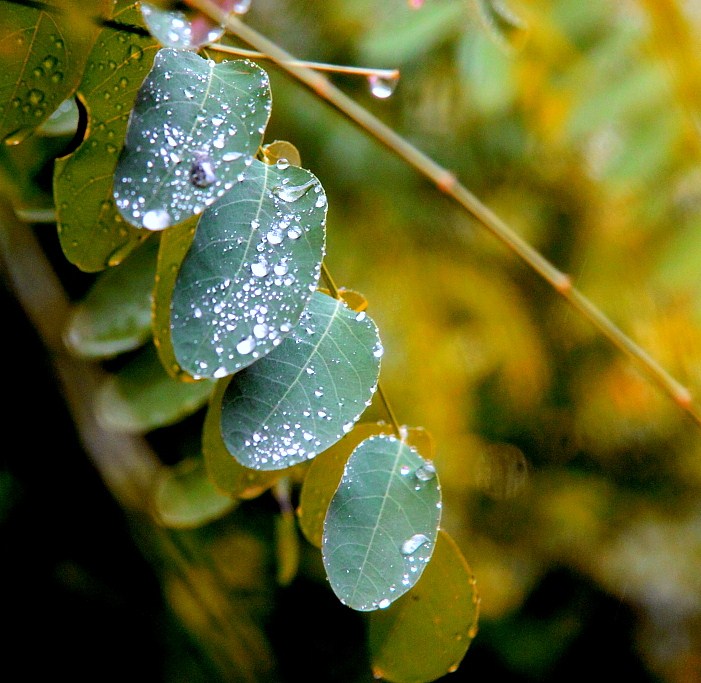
[{"x": 447, "y": 183}]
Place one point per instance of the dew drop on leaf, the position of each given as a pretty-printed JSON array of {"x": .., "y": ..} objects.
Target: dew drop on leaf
[
  {"x": 281, "y": 164},
  {"x": 202, "y": 171},
  {"x": 291, "y": 193},
  {"x": 426, "y": 472},
  {"x": 246, "y": 345},
  {"x": 411, "y": 545},
  {"x": 156, "y": 219}
]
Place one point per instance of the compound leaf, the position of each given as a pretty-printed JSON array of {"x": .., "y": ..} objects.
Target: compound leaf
[
  {"x": 306, "y": 394},
  {"x": 426, "y": 633},
  {"x": 253, "y": 264},
  {"x": 194, "y": 129},
  {"x": 381, "y": 526}
]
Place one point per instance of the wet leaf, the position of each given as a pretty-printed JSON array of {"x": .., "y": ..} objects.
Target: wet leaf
[
  {"x": 174, "y": 244},
  {"x": 381, "y": 527},
  {"x": 281, "y": 152},
  {"x": 426, "y": 633},
  {"x": 251, "y": 269},
  {"x": 42, "y": 54},
  {"x": 115, "y": 315},
  {"x": 93, "y": 235},
  {"x": 194, "y": 129},
  {"x": 184, "y": 497},
  {"x": 326, "y": 471},
  {"x": 305, "y": 395},
  {"x": 142, "y": 397},
  {"x": 227, "y": 474},
  {"x": 174, "y": 28},
  {"x": 64, "y": 121}
]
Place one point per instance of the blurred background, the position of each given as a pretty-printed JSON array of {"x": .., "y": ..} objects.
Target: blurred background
[{"x": 571, "y": 483}]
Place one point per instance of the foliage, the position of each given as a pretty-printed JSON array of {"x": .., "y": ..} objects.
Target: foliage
[{"x": 203, "y": 247}]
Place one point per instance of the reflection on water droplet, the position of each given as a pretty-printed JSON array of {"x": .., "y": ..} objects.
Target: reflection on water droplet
[
  {"x": 384, "y": 603},
  {"x": 241, "y": 6},
  {"x": 411, "y": 545},
  {"x": 291, "y": 193},
  {"x": 282, "y": 164},
  {"x": 382, "y": 88},
  {"x": 260, "y": 268},
  {"x": 156, "y": 219},
  {"x": 231, "y": 156},
  {"x": 426, "y": 472},
  {"x": 361, "y": 316},
  {"x": 246, "y": 345},
  {"x": 404, "y": 470}
]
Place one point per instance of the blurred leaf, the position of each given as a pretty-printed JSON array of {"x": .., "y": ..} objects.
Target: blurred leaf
[
  {"x": 251, "y": 269},
  {"x": 326, "y": 471},
  {"x": 381, "y": 526},
  {"x": 174, "y": 28},
  {"x": 93, "y": 235},
  {"x": 228, "y": 475},
  {"x": 115, "y": 315},
  {"x": 286, "y": 547},
  {"x": 187, "y": 143},
  {"x": 64, "y": 121},
  {"x": 184, "y": 497},
  {"x": 426, "y": 633},
  {"x": 307, "y": 393},
  {"x": 42, "y": 54},
  {"x": 505, "y": 27},
  {"x": 142, "y": 397}
]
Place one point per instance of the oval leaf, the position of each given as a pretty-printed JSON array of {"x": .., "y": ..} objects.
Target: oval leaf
[
  {"x": 326, "y": 471},
  {"x": 115, "y": 316},
  {"x": 142, "y": 397},
  {"x": 184, "y": 498},
  {"x": 253, "y": 264},
  {"x": 381, "y": 526},
  {"x": 93, "y": 235},
  {"x": 305, "y": 395},
  {"x": 426, "y": 633},
  {"x": 194, "y": 127},
  {"x": 227, "y": 474}
]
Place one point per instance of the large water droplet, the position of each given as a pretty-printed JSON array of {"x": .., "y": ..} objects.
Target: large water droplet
[
  {"x": 156, "y": 219},
  {"x": 380, "y": 87},
  {"x": 384, "y": 603},
  {"x": 426, "y": 472},
  {"x": 411, "y": 545},
  {"x": 246, "y": 345},
  {"x": 291, "y": 193},
  {"x": 241, "y": 6},
  {"x": 282, "y": 164},
  {"x": 202, "y": 170},
  {"x": 260, "y": 268}
]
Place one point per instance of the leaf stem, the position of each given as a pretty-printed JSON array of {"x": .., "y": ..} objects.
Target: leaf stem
[
  {"x": 390, "y": 74},
  {"x": 447, "y": 183}
]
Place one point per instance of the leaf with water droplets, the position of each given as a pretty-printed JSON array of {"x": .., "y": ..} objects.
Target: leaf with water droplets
[
  {"x": 184, "y": 497},
  {"x": 426, "y": 633},
  {"x": 193, "y": 131},
  {"x": 42, "y": 54},
  {"x": 142, "y": 397},
  {"x": 307, "y": 393},
  {"x": 281, "y": 152},
  {"x": 381, "y": 526},
  {"x": 175, "y": 28},
  {"x": 227, "y": 474},
  {"x": 115, "y": 315},
  {"x": 93, "y": 235},
  {"x": 326, "y": 471},
  {"x": 252, "y": 267}
]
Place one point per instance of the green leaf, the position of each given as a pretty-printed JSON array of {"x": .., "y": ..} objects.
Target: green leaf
[
  {"x": 381, "y": 527},
  {"x": 115, "y": 315},
  {"x": 194, "y": 129},
  {"x": 251, "y": 269},
  {"x": 184, "y": 498},
  {"x": 227, "y": 474},
  {"x": 142, "y": 397},
  {"x": 326, "y": 471},
  {"x": 305, "y": 395},
  {"x": 506, "y": 28},
  {"x": 174, "y": 28},
  {"x": 426, "y": 633},
  {"x": 286, "y": 547},
  {"x": 93, "y": 235},
  {"x": 64, "y": 121},
  {"x": 41, "y": 60}
]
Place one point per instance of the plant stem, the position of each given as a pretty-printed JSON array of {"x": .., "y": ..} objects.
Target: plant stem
[{"x": 446, "y": 182}]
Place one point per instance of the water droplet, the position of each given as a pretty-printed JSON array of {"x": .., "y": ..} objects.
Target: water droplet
[
  {"x": 202, "y": 170},
  {"x": 246, "y": 345},
  {"x": 361, "y": 316},
  {"x": 411, "y": 545},
  {"x": 382, "y": 88},
  {"x": 347, "y": 427},
  {"x": 260, "y": 268},
  {"x": 241, "y": 6},
  {"x": 281, "y": 268},
  {"x": 231, "y": 156},
  {"x": 156, "y": 219},
  {"x": 260, "y": 331},
  {"x": 384, "y": 603},
  {"x": 281, "y": 164},
  {"x": 426, "y": 472},
  {"x": 36, "y": 97},
  {"x": 274, "y": 236},
  {"x": 294, "y": 232},
  {"x": 404, "y": 470},
  {"x": 291, "y": 193}
]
